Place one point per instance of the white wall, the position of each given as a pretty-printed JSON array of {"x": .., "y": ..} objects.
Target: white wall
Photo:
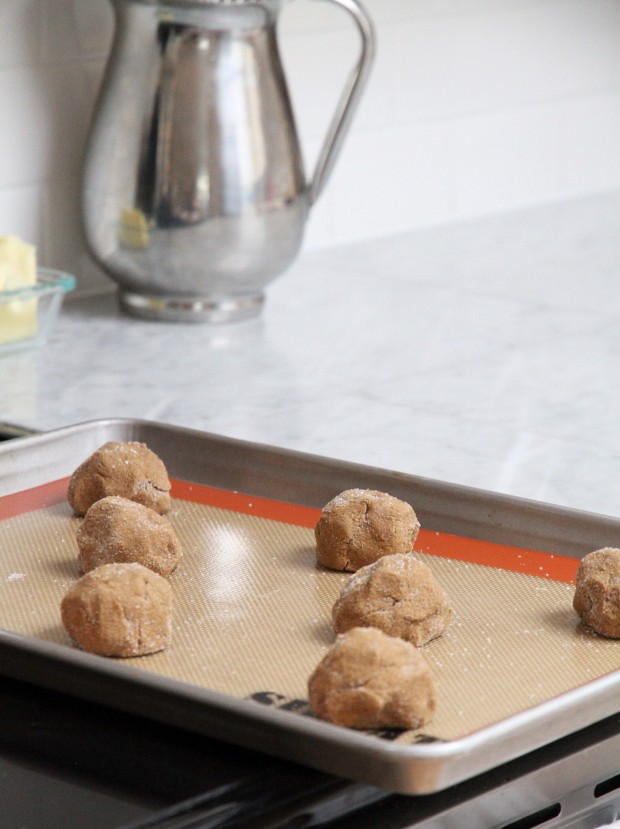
[{"x": 474, "y": 106}]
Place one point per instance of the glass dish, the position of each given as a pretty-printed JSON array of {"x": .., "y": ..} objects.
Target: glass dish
[{"x": 27, "y": 314}]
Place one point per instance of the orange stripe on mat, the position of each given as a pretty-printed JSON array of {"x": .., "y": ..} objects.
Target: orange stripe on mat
[
  {"x": 246, "y": 504},
  {"x": 31, "y": 499},
  {"x": 500, "y": 556}
]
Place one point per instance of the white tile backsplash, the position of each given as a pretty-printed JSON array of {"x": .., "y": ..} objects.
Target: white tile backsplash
[
  {"x": 473, "y": 107},
  {"x": 397, "y": 179},
  {"x": 590, "y": 131},
  {"x": 506, "y": 158},
  {"x": 565, "y": 48},
  {"x": 22, "y": 212},
  {"x": 453, "y": 66},
  {"x": 18, "y": 39}
]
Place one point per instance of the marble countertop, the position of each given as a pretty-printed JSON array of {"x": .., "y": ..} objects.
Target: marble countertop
[{"x": 485, "y": 353}]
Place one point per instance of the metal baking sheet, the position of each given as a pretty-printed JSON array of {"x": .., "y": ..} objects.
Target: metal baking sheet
[{"x": 515, "y": 671}]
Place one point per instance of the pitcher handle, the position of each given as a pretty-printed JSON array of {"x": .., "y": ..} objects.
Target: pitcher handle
[{"x": 349, "y": 99}]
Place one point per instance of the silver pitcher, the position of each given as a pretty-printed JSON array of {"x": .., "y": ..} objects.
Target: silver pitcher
[{"x": 194, "y": 192}]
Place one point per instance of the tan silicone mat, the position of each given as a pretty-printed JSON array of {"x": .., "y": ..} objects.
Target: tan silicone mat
[{"x": 252, "y": 614}]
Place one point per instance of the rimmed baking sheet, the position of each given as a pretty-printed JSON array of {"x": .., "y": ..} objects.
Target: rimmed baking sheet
[{"x": 252, "y": 607}]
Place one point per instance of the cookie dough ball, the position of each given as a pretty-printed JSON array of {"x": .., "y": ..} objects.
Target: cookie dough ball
[
  {"x": 360, "y": 525},
  {"x": 115, "y": 529},
  {"x": 397, "y": 594},
  {"x": 597, "y": 591},
  {"x": 371, "y": 680},
  {"x": 119, "y": 610},
  {"x": 130, "y": 470}
]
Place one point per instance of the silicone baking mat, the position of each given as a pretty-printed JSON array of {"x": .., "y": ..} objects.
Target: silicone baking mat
[{"x": 252, "y": 608}]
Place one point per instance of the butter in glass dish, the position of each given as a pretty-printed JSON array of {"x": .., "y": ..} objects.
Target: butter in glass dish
[{"x": 30, "y": 296}]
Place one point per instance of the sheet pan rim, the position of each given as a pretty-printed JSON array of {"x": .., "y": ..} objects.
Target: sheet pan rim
[{"x": 399, "y": 764}]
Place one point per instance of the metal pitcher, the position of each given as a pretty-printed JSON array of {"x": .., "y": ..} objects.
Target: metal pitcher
[{"x": 194, "y": 191}]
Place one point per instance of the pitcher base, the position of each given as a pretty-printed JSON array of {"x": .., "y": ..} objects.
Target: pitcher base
[{"x": 191, "y": 309}]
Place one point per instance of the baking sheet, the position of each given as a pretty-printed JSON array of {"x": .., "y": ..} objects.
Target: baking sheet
[{"x": 252, "y": 608}]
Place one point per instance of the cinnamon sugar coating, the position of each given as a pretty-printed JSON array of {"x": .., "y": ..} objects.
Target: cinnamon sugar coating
[
  {"x": 116, "y": 529},
  {"x": 597, "y": 591},
  {"x": 371, "y": 680},
  {"x": 397, "y": 594},
  {"x": 129, "y": 469},
  {"x": 119, "y": 610},
  {"x": 359, "y": 526}
]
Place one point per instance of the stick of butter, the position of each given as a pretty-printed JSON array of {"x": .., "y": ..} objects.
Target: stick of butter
[{"x": 18, "y": 269}]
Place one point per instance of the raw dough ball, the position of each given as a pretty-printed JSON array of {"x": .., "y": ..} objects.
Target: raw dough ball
[
  {"x": 130, "y": 470},
  {"x": 597, "y": 593},
  {"x": 119, "y": 610},
  {"x": 118, "y": 530},
  {"x": 360, "y": 525},
  {"x": 397, "y": 594},
  {"x": 371, "y": 680}
]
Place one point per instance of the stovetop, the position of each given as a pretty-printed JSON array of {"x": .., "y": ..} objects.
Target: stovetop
[
  {"x": 69, "y": 764},
  {"x": 96, "y": 768}
]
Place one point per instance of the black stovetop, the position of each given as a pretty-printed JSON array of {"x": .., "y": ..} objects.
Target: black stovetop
[{"x": 69, "y": 764}]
